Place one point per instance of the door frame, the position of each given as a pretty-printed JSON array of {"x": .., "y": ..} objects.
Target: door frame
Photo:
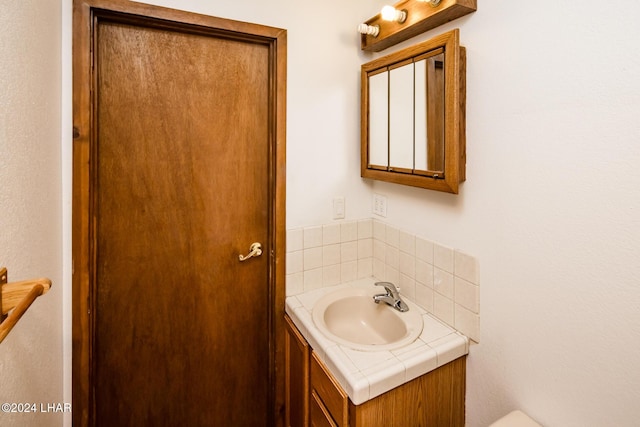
[{"x": 86, "y": 15}]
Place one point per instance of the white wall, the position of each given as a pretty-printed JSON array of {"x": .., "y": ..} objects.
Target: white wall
[
  {"x": 550, "y": 207},
  {"x": 30, "y": 202}
]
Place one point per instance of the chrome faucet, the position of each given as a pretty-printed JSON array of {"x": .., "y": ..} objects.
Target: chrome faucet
[{"x": 392, "y": 297}]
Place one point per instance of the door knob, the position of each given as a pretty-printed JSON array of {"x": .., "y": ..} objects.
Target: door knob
[{"x": 254, "y": 250}]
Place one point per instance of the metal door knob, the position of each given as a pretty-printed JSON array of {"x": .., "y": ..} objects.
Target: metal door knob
[{"x": 254, "y": 250}]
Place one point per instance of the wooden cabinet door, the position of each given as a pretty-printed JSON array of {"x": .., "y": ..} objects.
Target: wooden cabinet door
[
  {"x": 319, "y": 414},
  {"x": 326, "y": 387},
  {"x": 297, "y": 377}
]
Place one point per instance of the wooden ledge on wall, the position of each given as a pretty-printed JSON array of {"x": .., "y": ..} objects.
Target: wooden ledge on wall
[
  {"x": 421, "y": 17},
  {"x": 16, "y": 298}
]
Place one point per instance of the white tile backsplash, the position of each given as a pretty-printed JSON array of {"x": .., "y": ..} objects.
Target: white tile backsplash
[
  {"x": 424, "y": 273},
  {"x": 365, "y": 268},
  {"x": 424, "y": 297},
  {"x": 331, "y": 275},
  {"x": 379, "y": 249},
  {"x": 294, "y": 262},
  {"x": 365, "y": 248},
  {"x": 467, "y": 322},
  {"x": 379, "y": 230},
  {"x": 330, "y": 234},
  {"x": 392, "y": 257},
  {"x": 467, "y": 295},
  {"x": 443, "y": 308},
  {"x": 407, "y": 243},
  {"x": 424, "y": 250},
  {"x": 295, "y": 240},
  {"x": 312, "y": 237},
  {"x": 312, "y": 279},
  {"x": 365, "y": 229},
  {"x": 349, "y": 251},
  {"x": 392, "y": 236},
  {"x": 331, "y": 254},
  {"x": 443, "y": 281},
  {"x": 349, "y": 271},
  {"x": 408, "y": 265},
  {"x": 443, "y": 257},
  {"x": 407, "y": 286},
  {"x": 379, "y": 268},
  {"x": 295, "y": 283},
  {"x": 466, "y": 267},
  {"x": 349, "y": 231},
  {"x": 312, "y": 258},
  {"x": 391, "y": 274}
]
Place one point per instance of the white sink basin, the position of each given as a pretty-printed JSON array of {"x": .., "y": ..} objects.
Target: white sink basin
[{"x": 350, "y": 317}]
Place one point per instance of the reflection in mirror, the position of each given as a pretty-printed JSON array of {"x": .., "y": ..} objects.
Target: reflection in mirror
[
  {"x": 420, "y": 112},
  {"x": 413, "y": 115},
  {"x": 379, "y": 116},
  {"x": 435, "y": 113},
  {"x": 401, "y": 117},
  {"x": 429, "y": 113},
  {"x": 406, "y": 116}
]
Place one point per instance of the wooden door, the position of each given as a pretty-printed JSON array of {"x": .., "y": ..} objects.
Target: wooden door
[{"x": 178, "y": 169}]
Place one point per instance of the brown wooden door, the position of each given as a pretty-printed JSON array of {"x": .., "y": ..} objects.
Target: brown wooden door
[{"x": 182, "y": 177}]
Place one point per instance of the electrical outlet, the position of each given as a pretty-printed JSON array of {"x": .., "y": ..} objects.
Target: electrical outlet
[
  {"x": 338, "y": 208},
  {"x": 380, "y": 205}
]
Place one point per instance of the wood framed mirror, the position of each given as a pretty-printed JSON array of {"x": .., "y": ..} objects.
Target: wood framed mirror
[{"x": 413, "y": 115}]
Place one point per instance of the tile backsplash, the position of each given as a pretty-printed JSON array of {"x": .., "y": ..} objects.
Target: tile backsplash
[{"x": 442, "y": 280}]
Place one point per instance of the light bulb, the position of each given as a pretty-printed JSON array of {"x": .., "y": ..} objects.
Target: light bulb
[{"x": 390, "y": 13}]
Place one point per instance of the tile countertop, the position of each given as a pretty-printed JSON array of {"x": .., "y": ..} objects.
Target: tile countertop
[{"x": 366, "y": 374}]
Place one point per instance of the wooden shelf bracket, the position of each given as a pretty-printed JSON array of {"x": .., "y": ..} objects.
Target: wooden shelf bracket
[{"x": 16, "y": 298}]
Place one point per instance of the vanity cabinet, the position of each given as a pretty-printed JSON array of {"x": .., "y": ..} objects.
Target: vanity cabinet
[
  {"x": 297, "y": 353},
  {"x": 314, "y": 397},
  {"x": 330, "y": 404}
]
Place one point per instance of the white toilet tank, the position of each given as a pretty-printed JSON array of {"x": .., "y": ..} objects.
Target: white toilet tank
[{"x": 515, "y": 419}]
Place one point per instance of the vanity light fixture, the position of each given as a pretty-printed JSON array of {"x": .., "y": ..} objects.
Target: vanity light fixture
[
  {"x": 390, "y": 13},
  {"x": 369, "y": 30},
  {"x": 409, "y": 18}
]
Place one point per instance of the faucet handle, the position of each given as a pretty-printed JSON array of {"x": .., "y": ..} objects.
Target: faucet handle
[{"x": 390, "y": 288}]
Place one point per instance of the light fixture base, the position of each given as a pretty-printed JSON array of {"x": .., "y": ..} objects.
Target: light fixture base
[
  {"x": 402, "y": 16},
  {"x": 369, "y": 30}
]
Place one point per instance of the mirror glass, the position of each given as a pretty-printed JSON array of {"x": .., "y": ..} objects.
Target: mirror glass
[
  {"x": 420, "y": 114},
  {"x": 401, "y": 117},
  {"x": 412, "y": 115},
  {"x": 379, "y": 115}
]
